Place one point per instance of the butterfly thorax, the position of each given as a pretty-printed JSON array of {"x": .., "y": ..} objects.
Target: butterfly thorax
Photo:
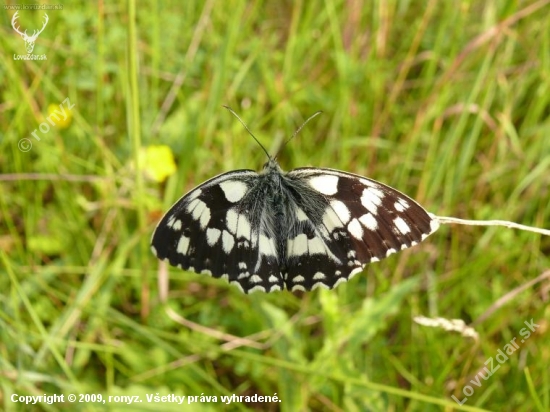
[
  {"x": 274, "y": 219},
  {"x": 285, "y": 199}
]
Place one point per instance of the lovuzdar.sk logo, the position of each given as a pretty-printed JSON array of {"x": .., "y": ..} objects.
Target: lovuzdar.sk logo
[{"x": 29, "y": 40}]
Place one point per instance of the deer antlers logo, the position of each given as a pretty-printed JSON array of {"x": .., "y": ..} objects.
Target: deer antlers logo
[{"x": 29, "y": 40}]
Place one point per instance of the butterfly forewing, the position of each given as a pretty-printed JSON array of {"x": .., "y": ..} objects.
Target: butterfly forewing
[{"x": 300, "y": 230}]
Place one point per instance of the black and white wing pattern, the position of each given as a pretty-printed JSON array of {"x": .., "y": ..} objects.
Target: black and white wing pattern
[{"x": 300, "y": 230}]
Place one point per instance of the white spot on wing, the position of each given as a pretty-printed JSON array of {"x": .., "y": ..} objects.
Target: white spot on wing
[
  {"x": 377, "y": 192},
  {"x": 228, "y": 241},
  {"x": 355, "y": 272},
  {"x": 369, "y": 183},
  {"x": 298, "y": 287},
  {"x": 401, "y": 225},
  {"x": 390, "y": 251},
  {"x": 244, "y": 230},
  {"x": 267, "y": 246},
  {"x": 205, "y": 218},
  {"x": 316, "y": 246},
  {"x": 273, "y": 279},
  {"x": 298, "y": 278},
  {"x": 183, "y": 245},
  {"x": 369, "y": 221},
  {"x": 319, "y": 276},
  {"x": 355, "y": 229},
  {"x": 174, "y": 223},
  {"x": 199, "y": 211},
  {"x": 194, "y": 194},
  {"x": 326, "y": 184},
  {"x": 212, "y": 236},
  {"x": 401, "y": 205},
  {"x": 255, "y": 279},
  {"x": 298, "y": 245},
  {"x": 233, "y": 190},
  {"x": 257, "y": 288},
  {"x": 301, "y": 245},
  {"x": 231, "y": 220},
  {"x": 330, "y": 220},
  {"x": 341, "y": 211},
  {"x": 371, "y": 199}
]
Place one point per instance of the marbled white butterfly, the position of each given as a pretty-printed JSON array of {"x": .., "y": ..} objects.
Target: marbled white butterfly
[{"x": 300, "y": 230}]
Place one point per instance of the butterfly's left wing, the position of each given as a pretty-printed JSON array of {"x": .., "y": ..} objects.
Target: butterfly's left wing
[
  {"x": 213, "y": 230},
  {"x": 359, "y": 221}
]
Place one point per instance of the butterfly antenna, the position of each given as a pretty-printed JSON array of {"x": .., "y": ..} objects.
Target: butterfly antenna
[
  {"x": 298, "y": 130},
  {"x": 247, "y": 129}
]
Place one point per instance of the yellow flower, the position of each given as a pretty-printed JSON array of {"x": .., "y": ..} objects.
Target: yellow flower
[
  {"x": 60, "y": 115},
  {"x": 157, "y": 162}
]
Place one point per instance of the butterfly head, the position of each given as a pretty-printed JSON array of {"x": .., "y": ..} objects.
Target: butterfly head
[{"x": 271, "y": 166}]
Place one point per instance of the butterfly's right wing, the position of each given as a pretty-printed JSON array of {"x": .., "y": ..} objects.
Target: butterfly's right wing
[
  {"x": 211, "y": 231},
  {"x": 345, "y": 222}
]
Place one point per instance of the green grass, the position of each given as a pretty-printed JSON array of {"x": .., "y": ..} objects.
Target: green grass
[{"x": 447, "y": 101}]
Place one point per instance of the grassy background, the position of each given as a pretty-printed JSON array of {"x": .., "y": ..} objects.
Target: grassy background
[{"x": 446, "y": 101}]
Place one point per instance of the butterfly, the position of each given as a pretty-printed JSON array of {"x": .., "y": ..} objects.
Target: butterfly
[{"x": 306, "y": 229}]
